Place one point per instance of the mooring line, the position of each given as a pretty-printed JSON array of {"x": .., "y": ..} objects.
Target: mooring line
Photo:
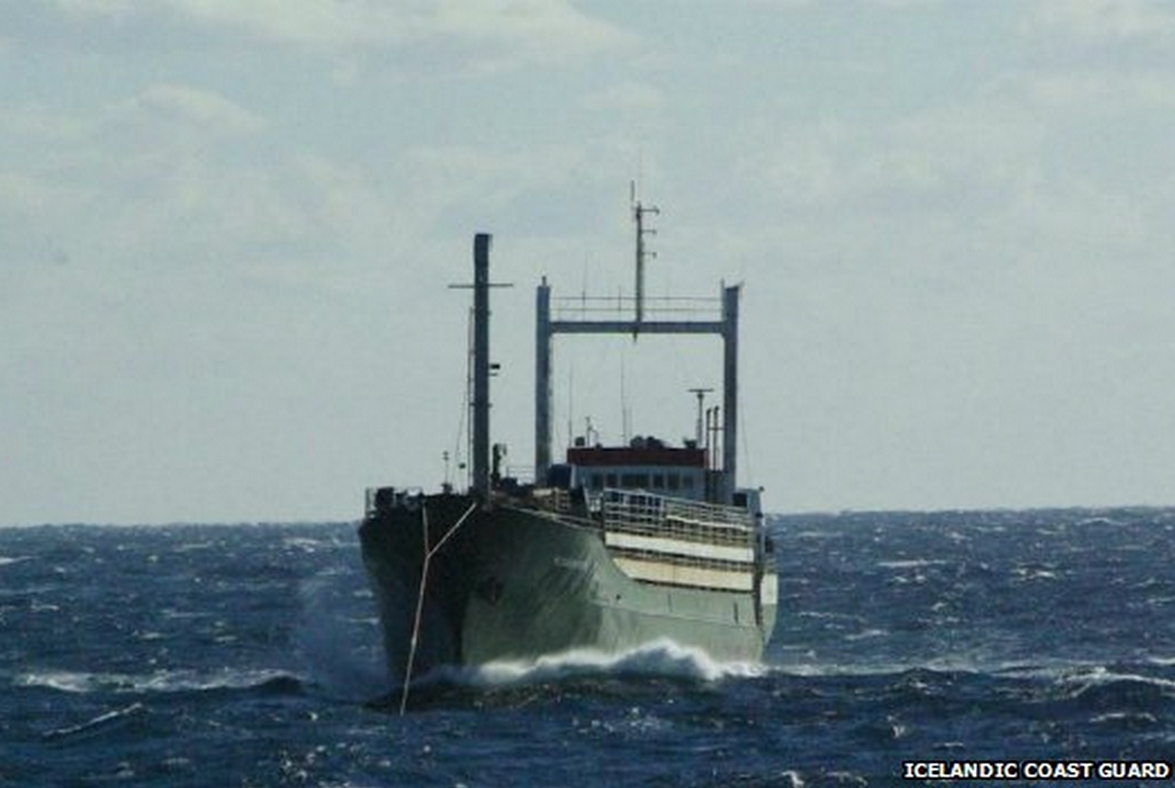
[{"x": 428, "y": 554}]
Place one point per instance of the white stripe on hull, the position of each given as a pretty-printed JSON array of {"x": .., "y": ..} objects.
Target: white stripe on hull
[
  {"x": 658, "y": 544},
  {"x": 675, "y": 574}
]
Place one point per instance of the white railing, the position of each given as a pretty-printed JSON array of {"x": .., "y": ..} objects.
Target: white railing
[{"x": 647, "y": 513}]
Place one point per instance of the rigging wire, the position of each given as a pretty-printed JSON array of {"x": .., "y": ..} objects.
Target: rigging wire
[
  {"x": 744, "y": 438},
  {"x": 462, "y": 420}
]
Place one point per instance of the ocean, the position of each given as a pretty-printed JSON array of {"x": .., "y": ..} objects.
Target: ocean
[{"x": 1019, "y": 645}]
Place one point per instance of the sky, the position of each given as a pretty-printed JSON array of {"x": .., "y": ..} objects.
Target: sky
[{"x": 228, "y": 230}]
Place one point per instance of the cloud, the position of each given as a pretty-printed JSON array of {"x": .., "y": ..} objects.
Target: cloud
[
  {"x": 319, "y": 22},
  {"x": 97, "y": 7},
  {"x": 626, "y": 97},
  {"x": 464, "y": 183},
  {"x": 1104, "y": 20},
  {"x": 1102, "y": 92},
  {"x": 181, "y": 161},
  {"x": 928, "y": 162},
  {"x": 27, "y": 195},
  {"x": 505, "y": 30},
  {"x": 205, "y": 109}
]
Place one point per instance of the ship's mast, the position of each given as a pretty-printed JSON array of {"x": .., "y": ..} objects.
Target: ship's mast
[
  {"x": 481, "y": 364},
  {"x": 482, "y": 367}
]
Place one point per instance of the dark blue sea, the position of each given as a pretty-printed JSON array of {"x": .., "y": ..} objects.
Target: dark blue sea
[{"x": 246, "y": 655}]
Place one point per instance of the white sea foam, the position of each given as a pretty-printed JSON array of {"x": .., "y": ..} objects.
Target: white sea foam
[{"x": 661, "y": 658}]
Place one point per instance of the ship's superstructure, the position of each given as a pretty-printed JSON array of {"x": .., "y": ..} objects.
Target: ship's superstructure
[{"x": 613, "y": 548}]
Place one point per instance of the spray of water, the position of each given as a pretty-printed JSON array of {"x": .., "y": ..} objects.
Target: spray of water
[{"x": 338, "y": 636}]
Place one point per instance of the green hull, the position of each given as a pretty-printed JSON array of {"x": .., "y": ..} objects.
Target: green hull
[{"x": 518, "y": 583}]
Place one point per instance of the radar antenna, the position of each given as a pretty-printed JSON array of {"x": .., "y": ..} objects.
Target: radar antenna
[
  {"x": 638, "y": 213},
  {"x": 700, "y": 393}
]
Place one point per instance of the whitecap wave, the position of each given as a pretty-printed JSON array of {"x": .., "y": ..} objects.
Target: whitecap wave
[
  {"x": 102, "y": 721},
  {"x": 1161, "y": 661},
  {"x": 912, "y": 563},
  {"x": 1100, "y": 675},
  {"x": 163, "y": 681},
  {"x": 307, "y": 544},
  {"x": 954, "y": 664}
]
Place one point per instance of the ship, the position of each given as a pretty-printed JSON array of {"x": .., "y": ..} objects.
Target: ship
[{"x": 612, "y": 549}]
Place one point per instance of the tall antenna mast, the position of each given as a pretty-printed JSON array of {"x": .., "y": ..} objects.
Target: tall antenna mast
[{"x": 638, "y": 214}]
